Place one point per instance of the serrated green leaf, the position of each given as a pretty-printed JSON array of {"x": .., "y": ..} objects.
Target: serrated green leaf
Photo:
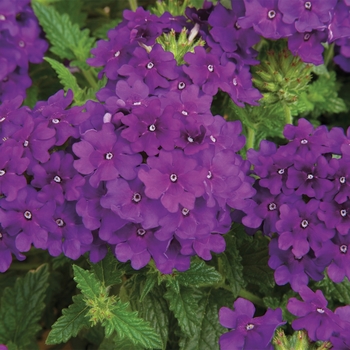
[
  {"x": 70, "y": 323},
  {"x": 87, "y": 282},
  {"x": 150, "y": 282},
  {"x": 199, "y": 274},
  {"x": 209, "y": 329},
  {"x": 184, "y": 304},
  {"x": 66, "y": 38},
  {"x": 154, "y": 309},
  {"x": 67, "y": 79},
  {"x": 22, "y": 306},
  {"x": 254, "y": 260},
  {"x": 230, "y": 262},
  {"x": 127, "y": 324},
  {"x": 106, "y": 271}
]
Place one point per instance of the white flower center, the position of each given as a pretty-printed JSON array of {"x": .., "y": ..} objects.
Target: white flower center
[
  {"x": 184, "y": 112},
  {"x": 2, "y": 172},
  {"x": 272, "y": 206},
  {"x": 141, "y": 232},
  {"x": 249, "y": 326},
  {"x": 212, "y": 138},
  {"x": 137, "y": 103},
  {"x": 210, "y": 68},
  {"x": 2, "y": 119},
  {"x": 152, "y": 128},
  {"x": 150, "y": 65},
  {"x": 109, "y": 156},
  {"x": 343, "y": 248},
  {"x": 107, "y": 118},
  {"x": 181, "y": 85},
  {"x": 343, "y": 212},
  {"x": 57, "y": 179},
  {"x": 320, "y": 310},
  {"x": 173, "y": 177},
  {"x": 237, "y": 26},
  {"x": 304, "y": 223},
  {"x": 342, "y": 180},
  {"x": 2, "y": 18},
  {"x": 117, "y": 54},
  {"x": 55, "y": 120},
  {"x": 190, "y": 139},
  {"x": 307, "y": 36},
  {"x": 304, "y": 141},
  {"x": 27, "y": 214},
  {"x": 234, "y": 82},
  {"x": 21, "y": 43},
  {"x": 271, "y": 14},
  {"x": 136, "y": 197},
  {"x": 280, "y": 171},
  {"x": 59, "y": 222},
  {"x": 310, "y": 176},
  {"x": 26, "y": 143},
  {"x": 1, "y": 235},
  {"x": 308, "y": 5},
  {"x": 185, "y": 211},
  {"x": 209, "y": 175}
]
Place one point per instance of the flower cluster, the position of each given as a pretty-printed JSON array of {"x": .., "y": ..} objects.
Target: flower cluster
[
  {"x": 303, "y": 195},
  {"x": 20, "y": 43}
]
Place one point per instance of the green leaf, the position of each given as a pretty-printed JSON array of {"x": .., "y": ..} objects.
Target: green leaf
[
  {"x": 22, "y": 307},
  {"x": 106, "y": 271},
  {"x": 151, "y": 280},
  {"x": 209, "y": 329},
  {"x": 67, "y": 79},
  {"x": 70, "y": 323},
  {"x": 335, "y": 293},
  {"x": 127, "y": 324},
  {"x": 184, "y": 304},
  {"x": 199, "y": 274},
  {"x": 255, "y": 256},
  {"x": 87, "y": 282},
  {"x": 231, "y": 266},
  {"x": 154, "y": 309},
  {"x": 73, "y": 9},
  {"x": 66, "y": 38}
]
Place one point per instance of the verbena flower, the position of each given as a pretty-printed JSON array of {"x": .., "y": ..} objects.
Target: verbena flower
[{"x": 247, "y": 331}]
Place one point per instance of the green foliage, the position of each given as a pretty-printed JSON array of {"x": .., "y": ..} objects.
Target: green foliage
[
  {"x": 231, "y": 265},
  {"x": 106, "y": 271},
  {"x": 67, "y": 79},
  {"x": 184, "y": 304},
  {"x": 335, "y": 293},
  {"x": 127, "y": 324},
  {"x": 208, "y": 329},
  {"x": 86, "y": 282},
  {"x": 21, "y": 308},
  {"x": 73, "y": 9},
  {"x": 199, "y": 274},
  {"x": 70, "y": 323},
  {"x": 76, "y": 44}
]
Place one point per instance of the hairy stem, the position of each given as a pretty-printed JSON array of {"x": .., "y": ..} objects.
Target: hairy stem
[
  {"x": 287, "y": 114},
  {"x": 250, "y": 138},
  {"x": 88, "y": 75}
]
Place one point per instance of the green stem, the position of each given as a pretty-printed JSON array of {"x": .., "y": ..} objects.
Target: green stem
[
  {"x": 328, "y": 55},
  {"x": 90, "y": 78},
  {"x": 287, "y": 114},
  {"x": 250, "y": 296},
  {"x": 250, "y": 138},
  {"x": 133, "y": 5}
]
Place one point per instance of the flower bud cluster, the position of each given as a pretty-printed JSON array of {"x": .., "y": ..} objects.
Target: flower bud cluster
[{"x": 20, "y": 43}]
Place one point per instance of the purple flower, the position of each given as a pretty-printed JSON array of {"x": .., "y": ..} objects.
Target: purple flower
[
  {"x": 266, "y": 19},
  {"x": 173, "y": 177},
  {"x": 150, "y": 128},
  {"x": 314, "y": 316},
  {"x": 206, "y": 70},
  {"x": 307, "y": 15},
  {"x": 293, "y": 269},
  {"x": 247, "y": 331},
  {"x": 105, "y": 155}
]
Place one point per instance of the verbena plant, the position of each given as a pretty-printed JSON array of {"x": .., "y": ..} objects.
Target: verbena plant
[{"x": 189, "y": 186}]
